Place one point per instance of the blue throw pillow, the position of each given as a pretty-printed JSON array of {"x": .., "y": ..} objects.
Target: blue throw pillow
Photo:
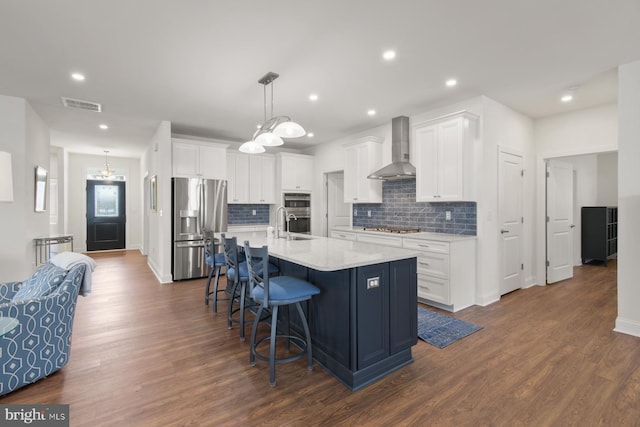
[{"x": 42, "y": 283}]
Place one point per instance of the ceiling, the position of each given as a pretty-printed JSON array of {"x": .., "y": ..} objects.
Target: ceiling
[{"x": 197, "y": 63}]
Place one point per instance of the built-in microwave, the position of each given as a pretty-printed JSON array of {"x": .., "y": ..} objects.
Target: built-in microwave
[{"x": 298, "y": 204}]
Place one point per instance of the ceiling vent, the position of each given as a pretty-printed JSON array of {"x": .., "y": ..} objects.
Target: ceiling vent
[{"x": 83, "y": 105}]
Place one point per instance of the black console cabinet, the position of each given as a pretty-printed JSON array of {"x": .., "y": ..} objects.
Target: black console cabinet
[{"x": 599, "y": 233}]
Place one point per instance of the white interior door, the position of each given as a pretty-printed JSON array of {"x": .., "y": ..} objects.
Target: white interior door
[
  {"x": 510, "y": 183},
  {"x": 559, "y": 221},
  {"x": 337, "y": 209}
]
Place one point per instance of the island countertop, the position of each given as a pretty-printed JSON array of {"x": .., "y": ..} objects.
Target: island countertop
[{"x": 322, "y": 253}]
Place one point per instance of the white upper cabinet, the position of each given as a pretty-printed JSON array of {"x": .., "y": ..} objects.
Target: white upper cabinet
[
  {"x": 443, "y": 154},
  {"x": 262, "y": 177},
  {"x": 251, "y": 178},
  {"x": 199, "y": 159},
  {"x": 238, "y": 178},
  {"x": 295, "y": 172},
  {"x": 362, "y": 157}
]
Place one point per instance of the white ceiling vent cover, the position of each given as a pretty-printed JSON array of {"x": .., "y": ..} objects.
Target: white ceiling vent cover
[{"x": 83, "y": 105}]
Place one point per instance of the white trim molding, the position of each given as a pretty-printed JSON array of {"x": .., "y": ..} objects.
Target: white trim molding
[{"x": 627, "y": 326}]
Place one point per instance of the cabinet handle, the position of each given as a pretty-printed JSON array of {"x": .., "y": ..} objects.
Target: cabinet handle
[
  {"x": 342, "y": 235},
  {"x": 424, "y": 263},
  {"x": 355, "y": 198},
  {"x": 503, "y": 231},
  {"x": 424, "y": 246}
]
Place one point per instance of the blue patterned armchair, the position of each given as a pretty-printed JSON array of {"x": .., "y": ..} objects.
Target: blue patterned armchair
[{"x": 44, "y": 306}]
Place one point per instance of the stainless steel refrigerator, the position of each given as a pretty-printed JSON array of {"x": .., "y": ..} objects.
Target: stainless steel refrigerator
[{"x": 199, "y": 210}]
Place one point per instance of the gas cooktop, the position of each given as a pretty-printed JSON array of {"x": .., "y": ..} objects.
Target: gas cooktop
[{"x": 400, "y": 230}]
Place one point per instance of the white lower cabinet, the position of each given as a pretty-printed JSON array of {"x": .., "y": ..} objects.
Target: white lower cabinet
[
  {"x": 344, "y": 235},
  {"x": 446, "y": 268},
  {"x": 446, "y": 272},
  {"x": 380, "y": 240}
]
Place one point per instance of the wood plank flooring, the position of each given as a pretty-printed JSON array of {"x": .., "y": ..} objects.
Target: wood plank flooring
[{"x": 147, "y": 354}]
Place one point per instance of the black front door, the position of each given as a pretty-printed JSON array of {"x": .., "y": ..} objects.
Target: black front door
[{"x": 105, "y": 215}]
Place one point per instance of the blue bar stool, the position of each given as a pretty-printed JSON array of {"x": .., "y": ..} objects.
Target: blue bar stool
[
  {"x": 216, "y": 261},
  {"x": 237, "y": 279},
  {"x": 270, "y": 294}
]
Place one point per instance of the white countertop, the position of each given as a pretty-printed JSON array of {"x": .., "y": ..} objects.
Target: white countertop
[
  {"x": 422, "y": 235},
  {"x": 325, "y": 254}
]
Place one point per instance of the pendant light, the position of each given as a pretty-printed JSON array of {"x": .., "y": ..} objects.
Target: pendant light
[
  {"x": 271, "y": 132},
  {"x": 106, "y": 171}
]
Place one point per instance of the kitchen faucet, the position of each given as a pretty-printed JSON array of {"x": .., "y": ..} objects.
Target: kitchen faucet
[
  {"x": 286, "y": 214},
  {"x": 287, "y": 218}
]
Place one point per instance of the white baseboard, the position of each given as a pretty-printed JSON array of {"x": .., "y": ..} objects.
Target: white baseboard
[
  {"x": 626, "y": 326},
  {"x": 161, "y": 278},
  {"x": 485, "y": 300}
]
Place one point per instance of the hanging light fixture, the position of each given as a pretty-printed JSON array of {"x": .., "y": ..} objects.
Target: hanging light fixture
[
  {"x": 106, "y": 171},
  {"x": 271, "y": 132}
]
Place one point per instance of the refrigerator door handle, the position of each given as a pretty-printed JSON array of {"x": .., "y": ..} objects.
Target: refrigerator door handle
[{"x": 198, "y": 244}]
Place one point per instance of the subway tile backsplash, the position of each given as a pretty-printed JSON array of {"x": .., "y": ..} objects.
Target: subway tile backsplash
[
  {"x": 243, "y": 214},
  {"x": 400, "y": 209}
]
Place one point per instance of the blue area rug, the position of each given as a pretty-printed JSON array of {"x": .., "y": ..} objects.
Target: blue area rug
[{"x": 440, "y": 330}]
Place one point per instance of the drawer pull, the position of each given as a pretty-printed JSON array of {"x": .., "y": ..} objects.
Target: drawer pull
[
  {"x": 424, "y": 263},
  {"x": 424, "y": 246}
]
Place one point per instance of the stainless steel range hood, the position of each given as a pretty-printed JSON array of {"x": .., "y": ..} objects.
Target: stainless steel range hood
[{"x": 400, "y": 168}]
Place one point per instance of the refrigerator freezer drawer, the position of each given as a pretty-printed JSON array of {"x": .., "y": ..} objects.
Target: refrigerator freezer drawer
[{"x": 188, "y": 261}]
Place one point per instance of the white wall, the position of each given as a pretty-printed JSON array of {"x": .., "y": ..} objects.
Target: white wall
[
  {"x": 628, "y": 320},
  {"x": 505, "y": 128},
  {"x": 608, "y": 179},
  {"x": 26, "y": 137},
  {"x": 157, "y": 161},
  {"x": 592, "y": 130},
  {"x": 79, "y": 165}
]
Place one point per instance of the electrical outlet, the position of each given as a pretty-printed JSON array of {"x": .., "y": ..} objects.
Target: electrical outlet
[
  {"x": 373, "y": 282},
  {"x": 355, "y": 212},
  {"x": 253, "y": 212},
  {"x": 369, "y": 213},
  {"x": 447, "y": 215}
]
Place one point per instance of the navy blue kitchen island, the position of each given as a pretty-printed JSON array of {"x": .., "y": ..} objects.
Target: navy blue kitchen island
[{"x": 364, "y": 322}]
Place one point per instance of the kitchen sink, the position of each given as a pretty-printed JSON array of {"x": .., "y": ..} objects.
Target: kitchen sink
[{"x": 297, "y": 237}]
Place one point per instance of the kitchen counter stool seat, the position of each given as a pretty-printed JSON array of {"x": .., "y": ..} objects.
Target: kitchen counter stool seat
[
  {"x": 270, "y": 294},
  {"x": 215, "y": 261},
  {"x": 237, "y": 279}
]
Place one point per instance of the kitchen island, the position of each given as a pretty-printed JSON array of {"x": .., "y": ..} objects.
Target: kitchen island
[{"x": 364, "y": 321}]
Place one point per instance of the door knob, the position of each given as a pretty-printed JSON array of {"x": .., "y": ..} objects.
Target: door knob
[
  {"x": 503, "y": 231},
  {"x": 573, "y": 226}
]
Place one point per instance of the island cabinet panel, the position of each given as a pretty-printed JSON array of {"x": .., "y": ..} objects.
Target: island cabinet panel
[
  {"x": 372, "y": 319},
  {"x": 330, "y": 314},
  {"x": 364, "y": 321},
  {"x": 403, "y": 329}
]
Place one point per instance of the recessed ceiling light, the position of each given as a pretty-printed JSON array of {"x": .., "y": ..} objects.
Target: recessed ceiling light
[
  {"x": 566, "y": 98},
  {"x": 78, "y": 77},
  {"x": 104, "y": 127},
  {"x": 388, "y": 55},
  {"x": 451, "y": 82},
  {"x": 313, "y": 97},
  {"x": 310, "y": 134},
  {"x": 371, "y": 112}
]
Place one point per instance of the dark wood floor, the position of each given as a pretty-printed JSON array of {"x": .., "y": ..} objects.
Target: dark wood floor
[{"x": 146, "y": 354}]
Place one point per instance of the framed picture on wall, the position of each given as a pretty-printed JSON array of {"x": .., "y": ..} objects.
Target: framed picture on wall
[{"x": 153, "y": 193}]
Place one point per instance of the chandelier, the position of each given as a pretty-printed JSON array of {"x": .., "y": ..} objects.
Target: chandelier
[
  {"x": 107, "y": 170},
  {"x": 271, "y": 132}
]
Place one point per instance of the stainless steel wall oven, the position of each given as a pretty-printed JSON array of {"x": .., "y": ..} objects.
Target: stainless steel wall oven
[{"x": 298, "y": 204}]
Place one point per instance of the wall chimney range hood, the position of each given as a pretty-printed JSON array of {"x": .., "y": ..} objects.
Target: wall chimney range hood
[{"x": 400, "y": 168}]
